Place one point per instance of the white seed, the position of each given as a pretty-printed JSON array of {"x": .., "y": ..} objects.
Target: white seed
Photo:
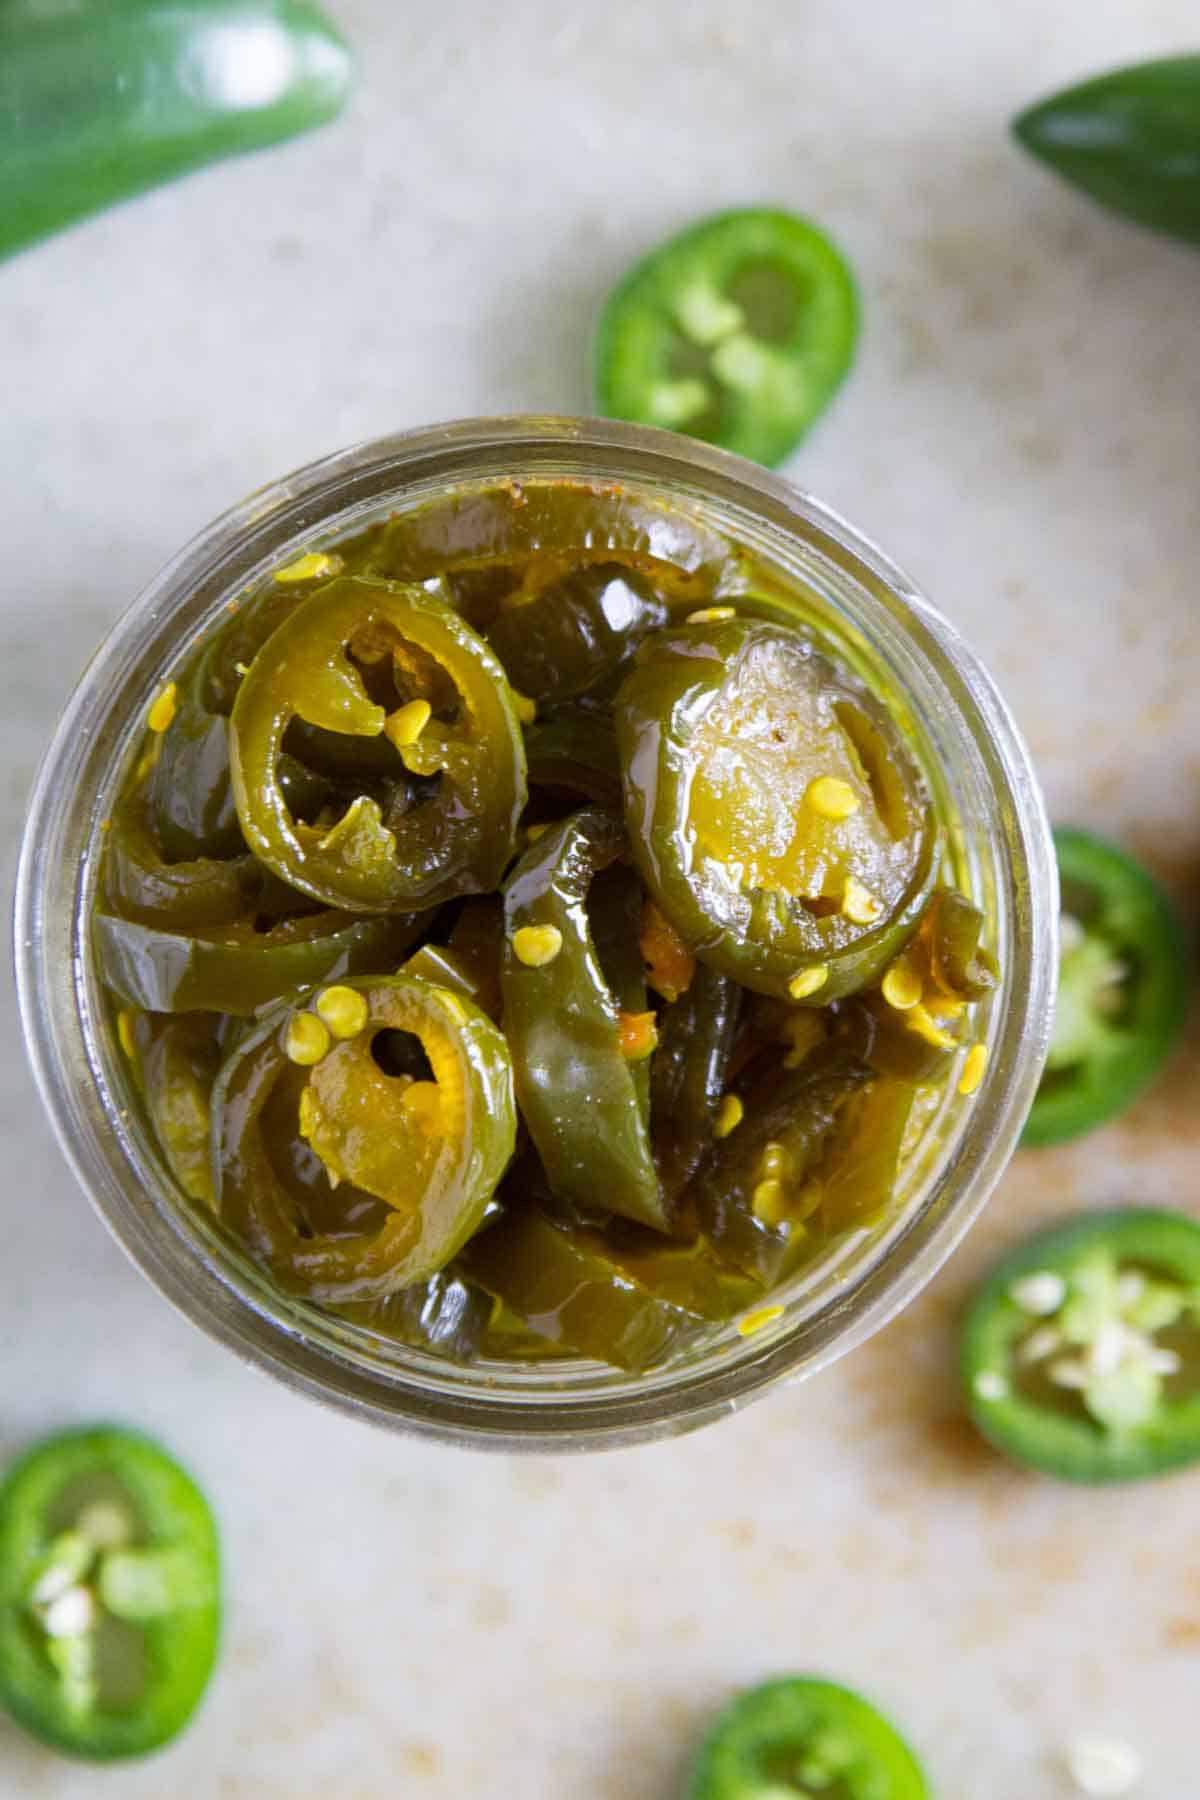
[
  {"x": 1069, "y": 1372},
  {"x": 1110, "y": 1346},
  {"x": 1103, "y": 1767},
  {"x": 1039, "y": 1294},
  {"x": 1042, "y": 1342},
  {"x": 71, "y": 1614},
  {"x": 105, "y": 1524},
  {"x": 1130, "y": 1287},
  {"x": 1163, "y": 1362},
  {"x": 990, "y": 1385},
  {"x": 71, "y": 1557},
  {"x": 55, "y": 1581}
]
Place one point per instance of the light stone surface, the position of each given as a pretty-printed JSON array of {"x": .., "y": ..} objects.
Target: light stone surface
[{"x": 1023, "y": 432}]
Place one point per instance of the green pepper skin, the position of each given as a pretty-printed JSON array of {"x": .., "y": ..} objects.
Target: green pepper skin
[
  {"x": 574, "y": 1287},
  {"x": 1049, "y": 1428},
  {"x": 224, "y": 658},
  {"x": 195, "y": 893},
  {"x": 857, "y": 1179},
  {"x": 951, "y": 932},
  {"x": 576, "y": 633},
  {"x": 798, "y": 1735},
  {"x": 576, "y": 751},
  {"x": 437, "y": 1183},
  {"x": 561, "y": 525},
  {"x": 456, "y": 842},
  {"x": 1130, "y": 140},
  {"x": 739, "y": 331},
  {"x": 577, "y": 1093},
  {"x": 878, "y": 1034},
  {"x": 194, "y": 814},
  {"x": 798, "y": 1109},
  {"x": 236, "y": 968},
  {"x": 614, "y": 909},
  {"x": 688, "y": 1073},
  {"x": 100, "y": 102},
  {"x": 760, "y": 935},
  {"x": 42, "y": 1498},
  {"x": 446, "y": 1315},
  {"x": 1123, "y": 990},
  {"x": 178, "y": 1059},
  {"x": 191, "y": 788}
]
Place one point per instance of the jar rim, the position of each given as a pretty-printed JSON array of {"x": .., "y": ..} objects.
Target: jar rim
[{"x": 556, "y": 1410}]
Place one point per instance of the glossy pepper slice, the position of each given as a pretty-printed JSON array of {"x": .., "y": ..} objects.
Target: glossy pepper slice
[
  {"x": 1124, "y": 981},
  {"x": 192, "y": 795},
  {"x": 433, "y": 1150},
  {"x": 576, "y": 751},
  {"x": 98, "y": 103},
  {"x": 777, "y": 818},
  {"x": 560, "y": 526},
  {"x": 237, "y": 968},
  {"x": 199, "y": 891},
  {"x": 739, "y": 331},
  {"x": 109, "y": 1593},
  {"x": 760, "y": 1187},
  {"x": 856, "y": 1181},
  {"x": 1081, "y": 1352},
  {"x": 626, "y": 1304},
  {"x": 191, "y": 789},
  {"x": 577, "y": 1092},
  {"x": 1129, "y": 139},
  {"x": 177, "y": 1063},
  {"x": 452, "y": 723},
  {"x": 804, "y": 1736},
  {"x": 575, "y": 633},
  {"x": 687, "y": 1077},
  {"x": 446, "y": 1315}
]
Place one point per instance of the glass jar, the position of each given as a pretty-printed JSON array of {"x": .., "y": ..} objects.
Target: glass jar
[{"x": 1000, "y": 847}]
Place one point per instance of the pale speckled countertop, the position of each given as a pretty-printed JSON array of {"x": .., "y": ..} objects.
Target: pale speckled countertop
[{"x": 1023, "y": 432}]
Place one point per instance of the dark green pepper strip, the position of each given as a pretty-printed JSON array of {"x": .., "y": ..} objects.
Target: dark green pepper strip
[
  {"x": 192, "y": 790},
  {"x": 576, "y": 633},
  {"x": 576, "y": 751},
  {"x": 738, "y": 744},
  {"x": 688, "y": 1075},
  {"x": 432, "y": 1150},
  {"x": 194, "y": 814},
  {"x": 99, "y": 103},
  {"x": 1125, "y": 979},
  {"x": 799, "y": 1735},
  {"x": 225, "y": 657},
  {"x": 885, "y": 1038},
  {"x": 949, "y": 945},
  {"x": 196, "y": 892},
  {"x": 237, "y": 968},
  {"x": 562, "y": 523},
  {"x": 576, "y": 1091},
  {"x": 109, "y": 1594},
  {"x": 628, "y": 1306},
  {"x": 1080, "y": 1352},
  {"x": 446, "y": 1315},
  {"x": 178, "y": 1059},
  {"x": 438, "y": 964},
  {"x": 460, "y": 837},
  {"x": 739, "y": 331},
  {"x": 614, "y": 909},
  {"x": 1130, "y": 139},
  {"x": 761, "y": 1184}
]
